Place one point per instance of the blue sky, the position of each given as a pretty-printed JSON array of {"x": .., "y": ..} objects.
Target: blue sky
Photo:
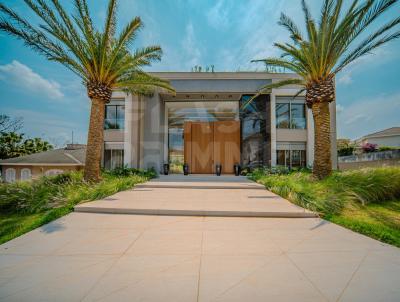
[{"x": 225, "y": 33}]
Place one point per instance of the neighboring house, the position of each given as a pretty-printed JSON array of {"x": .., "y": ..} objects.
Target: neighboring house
[
  {"x": 205, "y": 124},
  {"x": 389, "y": 137},
  {"x": 50, "y": 162}
]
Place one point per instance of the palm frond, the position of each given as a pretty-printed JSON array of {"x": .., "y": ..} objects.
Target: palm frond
[
  {"x": 288, "y": 23},
  {"x": 108, "y": 35},
  {"x": 365, "y": 50},
  {"x": 297, "y": 68},
  {"x": 139, "y": 81},
  {"x": 268, "y": 88}
]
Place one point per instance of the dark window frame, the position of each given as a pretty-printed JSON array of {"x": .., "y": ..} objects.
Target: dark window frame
[
  {"x": 111, "y": 158},
  {"x": 289, "y": 160},
  {"x": 290, "y": 118},
  {"x": 117, "y": 123}
]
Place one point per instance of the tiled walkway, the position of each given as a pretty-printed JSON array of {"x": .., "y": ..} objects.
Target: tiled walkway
[
  {"x": 115, "y": 257},
  {"x": 110, "y": 257}
]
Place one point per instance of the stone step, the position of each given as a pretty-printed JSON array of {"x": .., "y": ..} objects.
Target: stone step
[{"x": 205, "y": 213}]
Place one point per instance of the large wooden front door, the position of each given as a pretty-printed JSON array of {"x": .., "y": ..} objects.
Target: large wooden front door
[{"x": 209, "y": 143}]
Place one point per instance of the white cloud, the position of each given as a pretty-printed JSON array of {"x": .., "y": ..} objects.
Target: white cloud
[
  {"x": 25, "y": 78},
  {"x": 339, "y": 108},
  {"x": 217, "y": 16},
  {"x": 345, "y": 78},
  {"x": 256, "y": 34},
  {"x": 191, "y": 48},
  {"x": 368, "y": 115}
]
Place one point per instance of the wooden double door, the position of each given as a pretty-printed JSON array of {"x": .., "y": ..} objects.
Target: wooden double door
[{"x": 207, "y": 144}]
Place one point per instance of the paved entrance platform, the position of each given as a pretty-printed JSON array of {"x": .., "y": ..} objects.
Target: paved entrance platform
[
  {"x": 198, "y": 195},
  {"x": 111, "y": 257}
]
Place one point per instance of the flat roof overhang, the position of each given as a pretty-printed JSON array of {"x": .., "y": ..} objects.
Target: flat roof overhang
[{"x": 201, "y": 96}]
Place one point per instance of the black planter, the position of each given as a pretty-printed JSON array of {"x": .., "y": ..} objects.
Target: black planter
[
  {"x": 218, "y": 169},
  {"x": 166, "y": 169},
  {"x": 185, "y": 169},
  {"x": 236, "y": 168}
]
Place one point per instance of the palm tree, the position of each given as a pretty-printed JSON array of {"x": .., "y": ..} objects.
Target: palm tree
[
  {"x": 327, "y": 48},
  {"x": 101, "y": 58}
]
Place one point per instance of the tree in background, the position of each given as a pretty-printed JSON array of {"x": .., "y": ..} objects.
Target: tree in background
[
  {"x": 8, "y": 124},
  {"x": 345, "y": 147},
  {"x": 13, "y": 144},
  {"x": 35, "y": 145}
]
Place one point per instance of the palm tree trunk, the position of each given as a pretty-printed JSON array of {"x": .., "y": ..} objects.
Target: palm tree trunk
[
  {"x": 95, "y": 141},
  {"x": 322, "y": 140}
]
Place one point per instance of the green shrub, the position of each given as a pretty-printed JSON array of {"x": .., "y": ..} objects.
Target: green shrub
[
  {"x": 30, "y": 197},
  {"x": 370, "y": 185},
  {"x": 125, "y": 171},
  {"x": 346, "y": 150},
  {"x": 386, "y": 148},
  {"x": 329, "y": 196}
]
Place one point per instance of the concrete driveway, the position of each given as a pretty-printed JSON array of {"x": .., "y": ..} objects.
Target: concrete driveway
[{"x": 115, "y": 257}]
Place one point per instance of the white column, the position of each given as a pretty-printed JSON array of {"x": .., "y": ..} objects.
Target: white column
[
  {"x": 310, "y": 138},
  {"x": 141, "y": 113},
  {"x": 131, "y": 133},
  {"x": 128, "y": 131},
  {"x": 273, "y": 129}
]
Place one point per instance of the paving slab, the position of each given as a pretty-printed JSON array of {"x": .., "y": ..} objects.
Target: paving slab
[
  {"x": 112, "y": 257},
  {"x": 197, "y": 195}
]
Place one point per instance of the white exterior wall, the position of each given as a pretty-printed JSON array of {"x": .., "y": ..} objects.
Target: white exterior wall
[
  {"x": 273, "y": 128},
  {"x": 145, "y": 134}
]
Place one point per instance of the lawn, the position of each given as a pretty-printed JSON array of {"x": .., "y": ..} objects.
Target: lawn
[
  {"x": 366, "y": 201},
  {"x": 25, "y": 206}
]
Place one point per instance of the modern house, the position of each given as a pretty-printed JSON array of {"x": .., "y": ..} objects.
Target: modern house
[
  {"x": 52, "y": 162},
  {"x": 206, "y": 123},
  {"x": 388, "y": 137}
]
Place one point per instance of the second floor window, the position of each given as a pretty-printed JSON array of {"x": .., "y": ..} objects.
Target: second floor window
[
  {"x": 290, "y": 114},
  {"x": 115, "y": 117}
]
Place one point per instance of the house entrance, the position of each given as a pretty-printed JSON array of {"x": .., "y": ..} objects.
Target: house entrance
[{"x": 207, "y": 144}]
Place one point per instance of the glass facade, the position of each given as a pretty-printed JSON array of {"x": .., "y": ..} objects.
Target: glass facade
[
  {"x": 291, "y": 158},
  {"x": 282, "y": 115},
  {"x": 290, "y": 113},
  {"x": 204, "y": 111},
  {"x": 115, "y": 117},
  {"x": 113, "y": 159},
  {"x": 255, "y": 131}
]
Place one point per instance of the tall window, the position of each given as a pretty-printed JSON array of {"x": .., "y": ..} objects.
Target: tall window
[
  {"x": 254, "y": 131},
  {"x": 115, "y": 117},
  {"x": 290, "y": 114},
  {"x": 113, "y": 159},
  {"x": 291, "y": 158},
  {"x": 283, "y": 115}
]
